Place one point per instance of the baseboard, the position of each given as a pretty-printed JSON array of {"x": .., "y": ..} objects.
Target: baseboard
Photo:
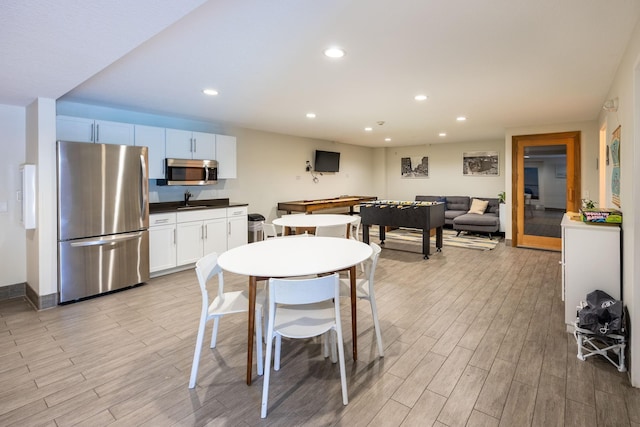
[
  {"x": 12, "y": 291},
  {"x": 41, "y": 302}
]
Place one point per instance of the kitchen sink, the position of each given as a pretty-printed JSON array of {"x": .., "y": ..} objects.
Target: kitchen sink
[{"x": 189, "y": 207}]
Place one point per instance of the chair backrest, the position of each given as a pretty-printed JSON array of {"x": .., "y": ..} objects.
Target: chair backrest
[
  {"x": 304, "y": 291},
  {"x": 269, "y": 230},
  {"x": 354, "y": 232},
  {"x": 332, "y": 231},
  {"x": 371, "y": 262},
  {"x": 206, "y": 268}
]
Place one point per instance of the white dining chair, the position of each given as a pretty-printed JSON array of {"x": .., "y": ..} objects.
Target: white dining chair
[
  {"x": 339, "y": 230},
  {"x": 354, "y": 228},
  {"x": 269, "y": 230},
  {"x": 528, "y": 207},
  {"x": 224, "y": 303},
  {"x": 302, "y": 308},
  {"x": 365, "y": 290}
]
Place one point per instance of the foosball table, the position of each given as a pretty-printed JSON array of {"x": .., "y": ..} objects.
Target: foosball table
[{"x": 421, "y": 215}]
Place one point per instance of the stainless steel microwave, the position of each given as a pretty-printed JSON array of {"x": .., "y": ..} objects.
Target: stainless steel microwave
[{"x": 190, "y": 172}]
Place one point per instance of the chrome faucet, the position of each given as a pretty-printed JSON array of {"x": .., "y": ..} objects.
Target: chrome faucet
[{"x": 187, "y": 196}]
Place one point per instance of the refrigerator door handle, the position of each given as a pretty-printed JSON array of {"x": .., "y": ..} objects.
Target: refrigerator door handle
[
  {"x": 144, "y": 183},
  {"x": 111, "y": 240}
]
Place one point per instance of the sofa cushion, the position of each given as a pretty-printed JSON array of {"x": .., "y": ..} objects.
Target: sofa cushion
[
  {"x": 485, "y": 223},
  {"x": 430, "y": 199},
  {"x": 458, "y": 203},
  {"x": 494, "y": 206},
  {"x": 478, "y": 206},
  {"x": 450, "y": 215}
]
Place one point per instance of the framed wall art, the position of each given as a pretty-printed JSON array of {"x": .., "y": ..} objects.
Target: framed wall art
[
  {"x": 414, "y": 167},
  {"x": 480, "y": 163},
  {"x": 615, "y": 172}
]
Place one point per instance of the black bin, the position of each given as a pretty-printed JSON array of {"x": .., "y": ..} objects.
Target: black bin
[{"x": 255, "y": 227}]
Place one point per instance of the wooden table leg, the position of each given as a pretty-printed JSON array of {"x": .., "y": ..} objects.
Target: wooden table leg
[
  {"x": 251, "y": 326},
  {"x": 354, "y": 300}
]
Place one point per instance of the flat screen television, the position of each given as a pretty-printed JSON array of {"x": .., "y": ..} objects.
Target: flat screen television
[{"x": 326, "y": 161}]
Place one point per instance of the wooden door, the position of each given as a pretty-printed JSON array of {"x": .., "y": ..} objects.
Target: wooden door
[{"x": 536, "y": 214}]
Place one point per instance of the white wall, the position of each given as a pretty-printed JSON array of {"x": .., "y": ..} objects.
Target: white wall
[
  {"x": 12, "y": 234},
  {"x": 42, "y": 265},
  {"x": 626, "y": 87},
  {"x": 271, "y": 169},
  {"x": 445, "y": 172}
]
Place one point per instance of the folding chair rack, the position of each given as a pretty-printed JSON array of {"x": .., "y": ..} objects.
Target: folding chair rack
[{"x": 590, "y": 343}]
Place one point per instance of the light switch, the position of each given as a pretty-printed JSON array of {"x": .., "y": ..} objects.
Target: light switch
[{"x": 4, "y": 207}]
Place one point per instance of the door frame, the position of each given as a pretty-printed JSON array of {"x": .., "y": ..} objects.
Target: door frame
[{"x": 518, "y": 143}]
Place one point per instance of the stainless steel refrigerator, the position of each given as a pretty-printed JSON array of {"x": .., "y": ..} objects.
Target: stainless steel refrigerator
[{"x": 103, "y": 218}]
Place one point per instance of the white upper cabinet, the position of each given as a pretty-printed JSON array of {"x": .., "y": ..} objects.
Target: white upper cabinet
[
  {"x": 182, "y": 144},
  {"x": 113, "y": 133},
  {"x": 88, "y": 130},
  {"x": 152, "y": 137},
  {"x": 204, "y": 146},
  {"x": 74, "y": 129},
  {"x": 226, "y": 156}
]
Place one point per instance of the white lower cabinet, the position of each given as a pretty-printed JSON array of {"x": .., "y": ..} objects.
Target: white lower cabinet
[
  {"x": 162, "y": 242},
  {"x": 237, "y": 227},
  {"x": 194, "y": 234},
  {"x": 590, "y": 260},
  {"x": 189, "y": 237}
]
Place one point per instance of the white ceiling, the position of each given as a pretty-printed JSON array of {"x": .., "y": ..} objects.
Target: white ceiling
[{"x": 501, "y": 63}]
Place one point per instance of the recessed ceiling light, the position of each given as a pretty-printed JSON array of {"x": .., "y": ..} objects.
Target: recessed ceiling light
[
  {"x": 334, "y": 52},
  {"x": 311, "y": 115},
  {"x": 387, "y": 139},
  {"x": 368, "y": 129},
  {"x": 442, "y": 134},
  {"x": 461, "y": 119},
  {"x": 420, "y": 97},
  {"x": 211, "y": 92}
]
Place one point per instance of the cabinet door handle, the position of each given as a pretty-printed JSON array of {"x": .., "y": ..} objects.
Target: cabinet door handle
[
  {"x": 174, "y": 236},
  {"x": 91, "y": 137},
  {"x": 195, "y": 145},
  {"x": 97, "y": 133},
  {"x": 161, "y": 221},
  {"x": 229, "y": 228}
]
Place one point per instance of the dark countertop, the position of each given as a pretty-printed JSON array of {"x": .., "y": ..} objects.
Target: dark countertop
[{"x": 165, "y": 207}]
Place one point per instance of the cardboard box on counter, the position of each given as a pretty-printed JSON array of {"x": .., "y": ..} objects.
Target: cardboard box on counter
[{"x": 601, "y": 216}]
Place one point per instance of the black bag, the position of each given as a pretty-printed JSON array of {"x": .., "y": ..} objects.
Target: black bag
[{"x": 603, "y": 314}]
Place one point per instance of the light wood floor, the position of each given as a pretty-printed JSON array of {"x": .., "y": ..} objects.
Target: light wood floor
[{"x": 471, "y": 338}]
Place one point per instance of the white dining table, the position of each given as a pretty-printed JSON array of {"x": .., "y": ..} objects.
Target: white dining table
[
  {"x": 294, "y": 256},
  {"x": 317, "y": 220}
]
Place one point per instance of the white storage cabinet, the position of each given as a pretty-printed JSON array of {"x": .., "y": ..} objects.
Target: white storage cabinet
[
  {"x": 226, "y": 153},
  {"x": 237, "y": 227},
  {"x": 88, "y": 130},
  {"x": 182, "y": 144},
  {"x": 162, "y": 241},
  {"x": 200, "y": 229},
  {"x": 590, "y": 260},
  {"x": 152, "y": 137}
]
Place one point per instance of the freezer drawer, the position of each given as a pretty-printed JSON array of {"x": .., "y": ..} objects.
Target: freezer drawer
[{"x": 94, "y": 266}]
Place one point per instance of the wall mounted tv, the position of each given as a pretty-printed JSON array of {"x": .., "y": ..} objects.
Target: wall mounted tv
[{"x": 326, "y": 161}]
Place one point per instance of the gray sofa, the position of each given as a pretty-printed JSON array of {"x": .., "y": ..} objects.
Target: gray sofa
[{"x": 456, "y": 213}]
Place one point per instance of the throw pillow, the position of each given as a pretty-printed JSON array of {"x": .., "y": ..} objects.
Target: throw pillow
[
  {"x": 478, "y": 206},
  {"x": 442, "y": 200}
]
